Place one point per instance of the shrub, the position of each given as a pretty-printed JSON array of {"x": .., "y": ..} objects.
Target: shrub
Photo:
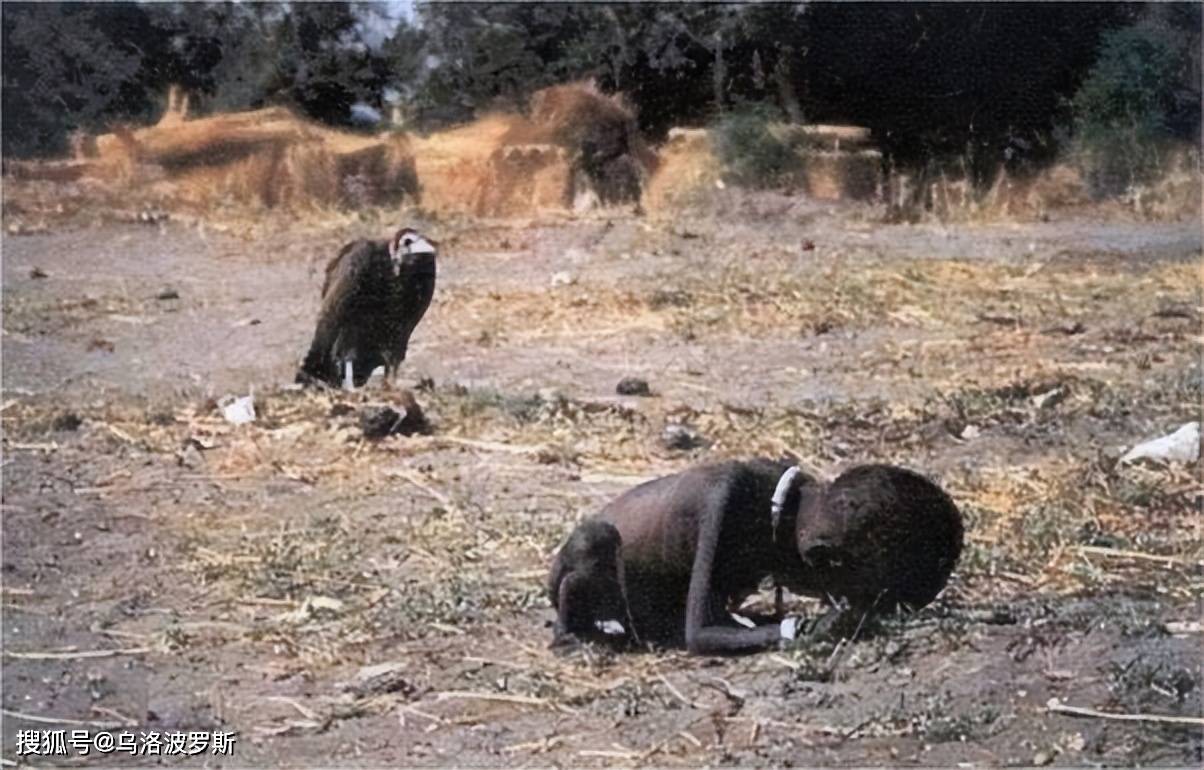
[
  {"x": 1122, "y": 109},
  {"x": 752, "y": 156}
]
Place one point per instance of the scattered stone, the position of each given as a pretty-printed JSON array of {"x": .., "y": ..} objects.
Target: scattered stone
[
  {"x": 1069, "y": 329},
  {"x": 1181, "y": 446},
  {"x": 1049, "y": 398},
  {"x": 190, "y": 457},
  {"x": 100, "y": 344},
  {"x": 808, "y": 245},
  {"x": 377, "y": 422},
  {"x": 162, "y": 419},
  {"x": 380, "y": 679},
  {"x": 551, "y": 396},
  {"x": 633, "y": 386},
  {"x": 1001, "y": 320},
  {"x": 38, "y": 272},
  {"x": 313, "y": 607},
  {"x": 682, "y": 437},
  {"x": 167, "y": 294},
  {"x": 67, "y": 421},
  {"x": 663, "y": 298}
]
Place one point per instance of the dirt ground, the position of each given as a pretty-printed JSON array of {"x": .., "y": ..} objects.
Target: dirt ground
[{"x": 165, "y": 570}]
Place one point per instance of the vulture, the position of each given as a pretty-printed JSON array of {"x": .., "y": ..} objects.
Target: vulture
[{"x": 374, "y": 294}]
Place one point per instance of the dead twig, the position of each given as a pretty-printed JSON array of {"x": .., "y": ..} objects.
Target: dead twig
[
  {"x": 525, "y": 700},
  {"x": 1118, "y": 553},
  {"x": 73, "y": 655},
  {"x": 108, "y": 712},
  {"x": 60, "y": 720},
  {"x": 1058, "y": 707},
  {"x": 405, "y": 475},
  {"x": 675, "y": 692}
]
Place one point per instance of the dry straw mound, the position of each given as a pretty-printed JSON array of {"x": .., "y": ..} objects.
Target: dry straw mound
[
  {"x": 687, "y": 173},
  {"x": 838, "y": 163},
  {"x": 265, "y": 158},
  {"x": 577, "y": 148}
]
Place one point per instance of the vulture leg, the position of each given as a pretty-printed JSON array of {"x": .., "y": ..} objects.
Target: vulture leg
[{"x": 348, "y": 378}]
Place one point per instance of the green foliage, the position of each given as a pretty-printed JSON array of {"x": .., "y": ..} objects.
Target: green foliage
[
  {"x": 1123, "y": 107},
  {"x": 752, "y": 156},
  {"x": 63, "y": 71}
]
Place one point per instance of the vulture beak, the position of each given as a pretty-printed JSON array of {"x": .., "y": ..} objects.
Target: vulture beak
[{"x": 421, "y": 245}]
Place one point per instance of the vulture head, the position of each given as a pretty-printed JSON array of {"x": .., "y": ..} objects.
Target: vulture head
[{"x": 408, "y": 242}]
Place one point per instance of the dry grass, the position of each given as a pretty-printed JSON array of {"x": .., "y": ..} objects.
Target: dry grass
[
  {"x": 1057, "y": 190},
  {"x": 1028, "y": 522}
]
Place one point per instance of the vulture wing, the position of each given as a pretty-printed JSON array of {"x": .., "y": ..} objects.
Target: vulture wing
[
  {"x": 416, "y": 287},
  {"x": 346, "y": 276}
]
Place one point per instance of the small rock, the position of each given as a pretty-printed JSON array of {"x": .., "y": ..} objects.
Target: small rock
[
  {"x": 808, "y": 245},
  {"x": 311, "y": 608},
  {"x": 550, "y": 396},
  {"x": 1043, "y": 758},
  {"x": 38, "y": 272},
  {"x": 377, "y": 422},
  {"x": 161, "y": 419},
  {"x": 380, "y": 679},
  {"x": 67, "y": 421},
  {"x": 341, "y": 409},
  {"x": 683, "y": 437},
  {"x": 100, "y": 344},
  {"x": 663, "y": 298},
  {"x": 168, "y": 294},
  {"x": 1181, "y": 446},
  {"x": 633, "y": 386},
  {"x": 1049, "y": 398},
  {"x": 190, "y": 457},
  {"x": 1069, "y": 329},
  {"x": 970, "y": 432}
]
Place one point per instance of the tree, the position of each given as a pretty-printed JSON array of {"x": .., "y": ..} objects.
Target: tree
[
  {"x": 1132, "y": 101},
  {"x": 64, "y": 71}
]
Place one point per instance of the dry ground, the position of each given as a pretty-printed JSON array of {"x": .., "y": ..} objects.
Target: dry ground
[{"x": 242, "y": 577}]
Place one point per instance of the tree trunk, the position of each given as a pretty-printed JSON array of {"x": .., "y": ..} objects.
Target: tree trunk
[
  {"x": 786, "y": 94},
  {"x": 720, "y": 71}
]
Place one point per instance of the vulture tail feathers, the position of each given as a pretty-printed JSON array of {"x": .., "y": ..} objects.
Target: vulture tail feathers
[{"x": 317, "y": 367}]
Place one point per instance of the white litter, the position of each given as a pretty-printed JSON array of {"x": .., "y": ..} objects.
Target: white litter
[
  {"x": 563, "y": 278},
  {"x": 610, "y": 627},
  {"x": 746, "y": 622},
  {"x": 1181, "y": 446},
  {"x": 238, "y": 410}
]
